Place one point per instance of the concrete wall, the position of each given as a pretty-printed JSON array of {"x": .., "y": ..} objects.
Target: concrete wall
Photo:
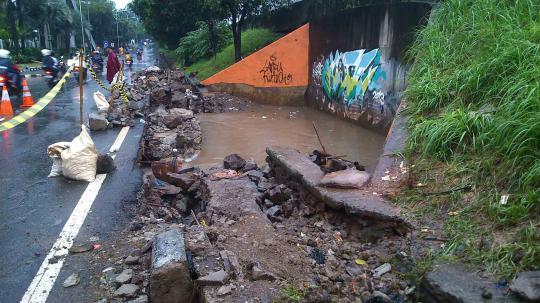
[
  {"x": 276, "y": 74},
  {"x": 357, "y": 68}
]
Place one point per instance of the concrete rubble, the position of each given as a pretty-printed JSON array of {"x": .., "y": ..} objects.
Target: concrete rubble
[{"x": 251, "y": 232}]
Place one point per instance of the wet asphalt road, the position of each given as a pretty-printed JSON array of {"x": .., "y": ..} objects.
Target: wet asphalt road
[{"x": 34, "y": 208}]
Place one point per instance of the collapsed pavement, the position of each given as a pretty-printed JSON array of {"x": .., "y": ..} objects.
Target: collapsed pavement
[{"x": 244, "y": 233}]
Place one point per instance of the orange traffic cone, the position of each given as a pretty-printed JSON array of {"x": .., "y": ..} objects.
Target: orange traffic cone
[
  {"x": 5, "y": 104},
  {"x": 27, "y": 101}
]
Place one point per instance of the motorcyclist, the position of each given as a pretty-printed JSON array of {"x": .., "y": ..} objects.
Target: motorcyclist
[
  {"x": 49, "y": 61},
  {"x": 96, "y": 58},
  {"x": 11, "y": 69}
]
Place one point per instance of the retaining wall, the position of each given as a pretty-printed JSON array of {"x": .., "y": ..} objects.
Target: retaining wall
[
  {"x": 276, "y": 74},
  {"x": 357, "y": 66}
]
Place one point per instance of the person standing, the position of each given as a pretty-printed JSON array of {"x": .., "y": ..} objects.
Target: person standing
[{"x": 113, "y": 65}]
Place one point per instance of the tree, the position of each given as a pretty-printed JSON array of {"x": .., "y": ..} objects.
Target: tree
[
  {"x": 238, "y": 11},
  {"x": 167, "y": 21}
]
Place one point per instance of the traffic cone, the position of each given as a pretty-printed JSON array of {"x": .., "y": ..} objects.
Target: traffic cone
[
  {"x": 5, "y": 104},
  {"x": 28, "y": 101}
]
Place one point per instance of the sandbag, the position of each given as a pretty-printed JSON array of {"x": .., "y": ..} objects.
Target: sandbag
[
  {"x": 79, "y": 160},
  {"x": 101, "y": 102},
  {"x": 54, "y": 151},
  {"x": 348, "y": 178}
]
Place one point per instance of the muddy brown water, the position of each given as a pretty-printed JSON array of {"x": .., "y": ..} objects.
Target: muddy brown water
[{"x": 248, "y": 134}]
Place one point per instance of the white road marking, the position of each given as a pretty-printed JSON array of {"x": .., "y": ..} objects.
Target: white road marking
[
  {"x": 121, "y": 136},
  {"x": 43, "y": 282}
]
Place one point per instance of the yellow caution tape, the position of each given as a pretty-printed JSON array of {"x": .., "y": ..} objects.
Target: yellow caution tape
[
  {"x": 37, "y": 107},
  {"x": 119, "y": 86}
]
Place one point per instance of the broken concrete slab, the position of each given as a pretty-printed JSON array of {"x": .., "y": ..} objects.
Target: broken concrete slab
[
  {"x": 170, "y": 281},
  {"x": 231, "y": 197},
  {"x": 353, "y": 201},
  {"x": 453, "y": 283}
]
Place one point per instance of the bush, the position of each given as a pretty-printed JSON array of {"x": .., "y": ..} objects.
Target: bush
[
  {"x": 201, "y": 43},
  {"x": 27, "y": 55}
]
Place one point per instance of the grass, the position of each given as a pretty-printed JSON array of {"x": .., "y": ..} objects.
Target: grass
[
  {"x": 252, "y": 40},
  {"x": 292, "y": 294},
  {"x": 474, "y": 101}
]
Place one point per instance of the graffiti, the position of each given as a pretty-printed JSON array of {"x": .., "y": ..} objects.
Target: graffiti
[
  {"x": 348, "y": 76},
  {"x": 273, "y": 72},
  {"x": 316, "y": 72}
]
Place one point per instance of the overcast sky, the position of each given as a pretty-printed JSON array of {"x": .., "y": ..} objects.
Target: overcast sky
[{"x": 121, "y": 3}]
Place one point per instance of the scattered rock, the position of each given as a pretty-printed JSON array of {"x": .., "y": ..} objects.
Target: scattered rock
[
  {"x": 105, "y": 164},
  {"x": 97, "y": 122},
  {"x": 72, "y": 280},
  {"x": 258, "y": 273},
  {"x": 131, "y": 260},
  {"x": 527, "y": 285},
  {"x": 77, "y": 249},
  {"x": 140, "y": 299},
  {"x": 381, "y": 270},
  {"x": 124, "y": 277},
  {"x": 215, "y": 278},
  {"x": 224, "y": 290},
  {"x": 234, "y": 162},
  {"x": 127, "y": 290}
]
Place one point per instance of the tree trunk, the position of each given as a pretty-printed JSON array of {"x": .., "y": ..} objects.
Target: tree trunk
[
  {"x": 237, "y": 39},
  {"x": 12, "y": 24},
  {"x": 21, "y": 23}
]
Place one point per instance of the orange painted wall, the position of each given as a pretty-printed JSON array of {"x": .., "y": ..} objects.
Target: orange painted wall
[{"x": 284, "y": 63}]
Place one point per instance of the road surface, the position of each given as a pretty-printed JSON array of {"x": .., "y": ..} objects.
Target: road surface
[{"x": 34, "y": 208}]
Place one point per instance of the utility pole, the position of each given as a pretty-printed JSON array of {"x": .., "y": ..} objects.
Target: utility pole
[
  {"x": 117, "y": 36},
  {"x": 82, "y": 28}
]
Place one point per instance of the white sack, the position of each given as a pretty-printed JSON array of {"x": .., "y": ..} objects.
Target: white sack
[
  {"x": 54, "y": 151},
  {"x": 101, "y": 102},
  {"x": 79, "y": 160},
  {"x": 349, "y": 178}
]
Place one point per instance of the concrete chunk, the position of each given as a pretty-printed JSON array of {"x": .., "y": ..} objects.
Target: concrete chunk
[
  {"x": 353, "y": 201},
  {"x": 97, "y": 122},
  {"x": 170, "y": 281}
]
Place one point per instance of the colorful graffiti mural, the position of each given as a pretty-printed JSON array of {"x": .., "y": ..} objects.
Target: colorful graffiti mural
[
  {"x": 348, "y": 76},
  {"x": 353, "y": 85}
]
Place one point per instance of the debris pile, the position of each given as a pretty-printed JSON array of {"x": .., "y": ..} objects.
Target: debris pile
[
  {"x": 247, "y": 236},
  {"x": 171, "y": 132},
  {"x": 172, "y": 89}
]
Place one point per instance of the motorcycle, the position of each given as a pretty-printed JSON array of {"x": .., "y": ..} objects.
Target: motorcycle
[
  {"x": 76, "y": 73},
  {"x": 13, "y": 84},
  {"x": 97, "y": 67},
  {"x": 51, "y": 75}
]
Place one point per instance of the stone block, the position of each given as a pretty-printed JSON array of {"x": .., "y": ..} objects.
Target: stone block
[{"x": 170, "y": 281}]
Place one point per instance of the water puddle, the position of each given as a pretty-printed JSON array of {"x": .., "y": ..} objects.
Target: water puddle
[{"x": 249, "y": 133}]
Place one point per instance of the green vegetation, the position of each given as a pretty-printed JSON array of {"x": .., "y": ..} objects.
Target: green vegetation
[
  {"x": 252, "y": 40},
  {"x": 292, "y": 294},
  {"x": 474, "y": 98},
  {"x": 204, "y": 42}
]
